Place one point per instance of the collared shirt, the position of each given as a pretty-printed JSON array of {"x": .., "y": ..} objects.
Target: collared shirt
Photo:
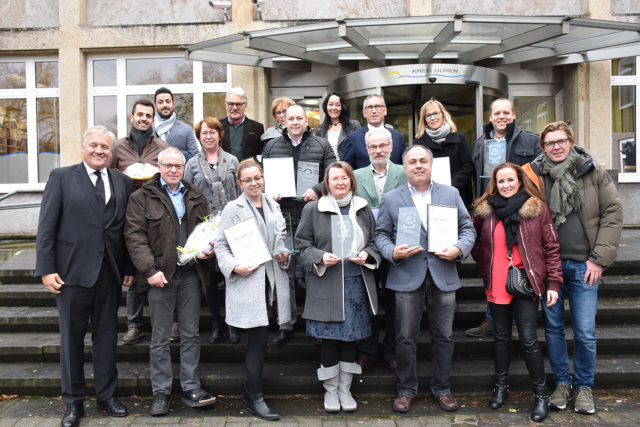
[
  {"x": 372, "y": 127},
  {"x": 380, "y": 179},
  {"x": 176, "y": 198},
  {"x": 105, "y": 180},
  {"x": 492, "y": 135},
  {"x": 236, "y": 123},
  {"x": 295, "y": 142},
  {"x": 421, "y": 200}
]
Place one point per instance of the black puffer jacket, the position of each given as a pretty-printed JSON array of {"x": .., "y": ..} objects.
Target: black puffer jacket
[
  {"x": 522, "y": 147},
  {"x": 312, "y": 149}
]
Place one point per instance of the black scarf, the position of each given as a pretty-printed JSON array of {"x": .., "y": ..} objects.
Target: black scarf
[
  {"x": 507, "y": 211},
  {"x": 139, "y": 139}
]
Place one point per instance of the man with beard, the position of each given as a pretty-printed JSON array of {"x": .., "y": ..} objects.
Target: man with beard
[
  {"x": 241, "y": 134},
  {"x": 140, "y": 146},
  {"x": 168, "y": 128}
]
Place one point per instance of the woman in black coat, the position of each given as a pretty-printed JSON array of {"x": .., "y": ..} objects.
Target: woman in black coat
[
  {"x": 438, "y": 132},
  {"x": 336, "y": 125}
]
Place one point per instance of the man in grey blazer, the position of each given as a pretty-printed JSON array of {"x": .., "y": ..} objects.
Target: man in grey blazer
[
  {"x": 374, "y": 180},
  {"x": 415, "y": 274},
  {"x": 171, "y": 130}
]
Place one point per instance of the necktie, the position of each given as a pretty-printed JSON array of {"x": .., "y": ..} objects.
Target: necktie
[{"x": 99, "y": 189}]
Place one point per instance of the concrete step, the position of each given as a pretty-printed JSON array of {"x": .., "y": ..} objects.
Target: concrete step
[
  {"x": 293, "y": 378},
  {"x": 36, "y": 295},
  {"x": 468, "y": 314},
  {"x": 45, "y": 346}
]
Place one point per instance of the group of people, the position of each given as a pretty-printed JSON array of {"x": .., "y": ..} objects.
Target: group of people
[{"x": 548, "y": 213}]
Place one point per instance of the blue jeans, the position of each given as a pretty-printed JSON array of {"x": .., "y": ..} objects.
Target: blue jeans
[{"x": 583, "y": 302}]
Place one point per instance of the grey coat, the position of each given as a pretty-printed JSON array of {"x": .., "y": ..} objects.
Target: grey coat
[
  {"x": 245, "y": 302},
  {"x": 193, "y": 173},
  {"x": 325, "y": 286}
]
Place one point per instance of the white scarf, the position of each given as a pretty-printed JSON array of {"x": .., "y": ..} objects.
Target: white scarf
[
  {"x": 358, "y": 236},
  {"x": 163, "y": 127}
]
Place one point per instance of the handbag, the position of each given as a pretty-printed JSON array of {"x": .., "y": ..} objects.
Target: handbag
[{"x": 518, "y": 283}]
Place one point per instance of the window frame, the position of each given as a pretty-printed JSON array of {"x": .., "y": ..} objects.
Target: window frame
[
  {"x": 31, "y": 93},
  {"x": 628, "y": 80},
  {"x": 197, "y": 88}
]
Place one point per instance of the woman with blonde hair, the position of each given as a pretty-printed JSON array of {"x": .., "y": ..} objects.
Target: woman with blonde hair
[{"x": 438, "y": 132}]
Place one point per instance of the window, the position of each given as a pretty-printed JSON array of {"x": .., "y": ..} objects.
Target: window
[
  {"x": 29, "y": 122},
  {"x": 533, "y": 113},
  {"x": 625, "y": 88},
  {"x": 117, "y": 81}
]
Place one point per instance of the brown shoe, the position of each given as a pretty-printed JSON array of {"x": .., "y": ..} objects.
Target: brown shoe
[
  {"x": 175, "y": 332},
  {"x": 447, "y": 402},
  {"x": 402, "y": 403},
  {"x": 363, "y": 361}
]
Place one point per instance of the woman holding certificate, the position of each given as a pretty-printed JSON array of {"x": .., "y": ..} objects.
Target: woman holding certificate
[
  {"x": 257, "y": 288},
  {"x": 335, "y": 238},
  {"x": 438, "y": 132},
  {"x": 213, "y": 171},
  {"x": 515, "y": 231}
]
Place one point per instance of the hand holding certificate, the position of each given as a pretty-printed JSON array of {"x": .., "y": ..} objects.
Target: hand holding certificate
[{"x": 246, "y": 243}]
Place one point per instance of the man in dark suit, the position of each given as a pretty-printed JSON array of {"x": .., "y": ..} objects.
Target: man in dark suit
[
  {"x": 81, "y": 257},
  {"x": 241, "y": 134},
  {"x": 417, "y": 276},
  {"x": 355, "y": 150}
]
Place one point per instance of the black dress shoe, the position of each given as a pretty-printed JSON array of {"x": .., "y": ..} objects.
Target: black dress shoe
[
  {"x": 113, "y": 407},
  {"x": 282, "y": 337},
  {"x": 499, "y": 395},
  {"x": 234, "y": 336},
  {"x": 72, "y": 415},
  {"x": 160, "y": 405},
  {"x": 217, "y": 334}
]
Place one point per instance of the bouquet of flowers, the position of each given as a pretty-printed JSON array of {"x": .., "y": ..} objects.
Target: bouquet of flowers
[{"x": 199, "y": 240}]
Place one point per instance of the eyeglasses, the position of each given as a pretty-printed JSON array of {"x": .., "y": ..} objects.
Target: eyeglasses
[
  {"x": 171, "y": 166},
  {"x": 280, "y": 113},
  {"x": 432, "y": 115},
  {"x": 561, "y": 143},
  {"x": 337, "y": 179},
  {"x": 374, "y": 147},
  {"x": 374, "y": 107},
  {"x": 247, "y": 181},
  {"x": 209, "y": 133},
  {"x": 235, "y": 104}
]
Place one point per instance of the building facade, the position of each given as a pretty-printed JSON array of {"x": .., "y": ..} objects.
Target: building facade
[{"x": 67, "y": 65}]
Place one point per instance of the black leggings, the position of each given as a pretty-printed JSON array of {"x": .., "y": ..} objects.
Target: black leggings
[
  {"x": 254, "y": 358},
  {"x": 214, "y": 297},
  {"x": 334, "y": 351}
]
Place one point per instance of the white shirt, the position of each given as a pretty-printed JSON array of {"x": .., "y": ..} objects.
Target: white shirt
[
  {"x": 295, "y": 142},
  {"x": 421, "y": 200},
  {"x": 105, "y": 180},
  {"x": 379, "y": 180}
]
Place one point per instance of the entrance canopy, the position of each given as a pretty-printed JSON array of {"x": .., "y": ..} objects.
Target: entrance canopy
[{"x": 532, "y": 41}]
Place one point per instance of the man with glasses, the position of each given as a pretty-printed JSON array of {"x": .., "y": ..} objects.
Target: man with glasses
[
  {"x": 299, "y": 143},
  {"x": 140, "y": 146},
  {"x": 517, "y": 146},
  {"x": 375, "y": 180},
  {"x": 241, "y": 134},
  {"x": 160, "y": 216},
  {"x": 168, "y": 128},
  {"x": 355, "y": 150}
]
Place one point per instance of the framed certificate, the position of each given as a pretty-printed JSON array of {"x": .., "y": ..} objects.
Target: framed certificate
[
  {"x": 246, "y": 243},
  {"x": 442, "y": 222},
  {"x": 441, "y": 170},
  {"x": 279, "y": 177},
  {"x": 409, "y": 227}
]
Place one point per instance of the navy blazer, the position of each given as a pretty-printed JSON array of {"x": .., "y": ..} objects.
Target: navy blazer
[
  {"x": 72, "y": 236},
  {"x": 408, "y": 274},
  {"x": 355, "y": 149}
]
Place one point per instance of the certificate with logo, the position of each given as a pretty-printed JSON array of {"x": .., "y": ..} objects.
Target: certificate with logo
[
  {"x": 308, "y": 174},
  {"x": 409, "y": 227},
  {"x": 442, "y": 223}
]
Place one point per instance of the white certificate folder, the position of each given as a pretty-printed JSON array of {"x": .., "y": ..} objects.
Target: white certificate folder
[
  {"x": 246, "y": 243},
  {"x": 442, "y": 222}
]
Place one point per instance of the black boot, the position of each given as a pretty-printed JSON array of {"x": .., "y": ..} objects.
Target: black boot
[
  {"x": 217, "y": 333},
  {"x": 234, "y": 337},
  {"x": 499, "y": 395},
  {"x": 540, "y": 407},
  {"x": 256, "y": 405}
]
